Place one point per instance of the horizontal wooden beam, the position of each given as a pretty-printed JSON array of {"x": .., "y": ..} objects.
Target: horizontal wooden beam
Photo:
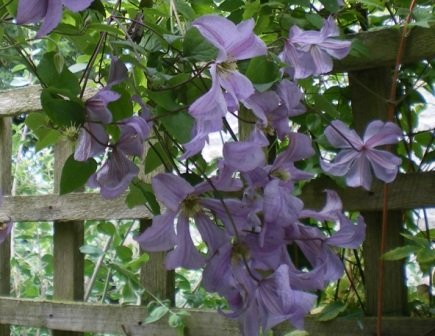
[
  {"x": 75, "y": 206},
  {"x": 381, "y": 48},
  {"x": 408, "y": 191},
  {"x": 127, "y": 320},
  {"x": 25, "y": 100}
]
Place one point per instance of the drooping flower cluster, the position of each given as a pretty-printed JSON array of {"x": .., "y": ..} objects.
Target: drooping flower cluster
[
  {"x": 116, "y": 173},
  {"x": 229, "y": 86},
  {"x": 247, "y": 258},
  {"x": 50, "y": 11}
]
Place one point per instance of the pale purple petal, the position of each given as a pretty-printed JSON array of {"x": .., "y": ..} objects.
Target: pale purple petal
[
  {"x": 246, "y": 44},
  {"x": 385, "y": 165},
  {"x": 211, "y": 105},
  {"x": 77, "y": 5},
  {"x": 341, "y": 164},
  {"x": 185, "y": 253},
  {"x": 134, "y": 131},
  {"x": 349, "y": 235},
  {"x": 31, "y": 11},
  {"x": 243, "y": 155},
  {"x": 118, "y": 72},
  {"x": 96, "y": 106},
  {"x": 262, "y": 104},
  {"x": 336, "y": 48},
  {"x": 321, "y": 59},
  {"x": 114, "y": 176},
  {"x": 171, "y": 190},
  {"x": 379, "y": 133},
  {"x": 52, "y": 17},
  {"x": 91, "y": 142},
  {"x": 340, "y": 135},
  {"x": 299, "y": 148},
  {"x": 359, "y": 173},
  {"x": 210, "y": 233},
  {"x": 330, "y": 211},
  {"x": 161, "y": 235},
  {"x": 236, "y": 84}
]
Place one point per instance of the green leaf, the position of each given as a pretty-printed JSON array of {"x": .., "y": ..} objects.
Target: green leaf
[
  {"x": 140, "y": 193},
  {"x": 123, "y": 107},
  {"x": 164, "y": 99},
  {"x": 426, "y": 255},
  {"x": 106, "y": 228},
  {"x": 197, "y": 48},
  {"x": 135, "y": 264},
  {"x": 400, "y": 252},
  {"x": 175, "y": 321},
  {"x": 178, "y": 124},
  {"x": 156, "y": 314},
  {"x": 262, "y": 72},
  {"x": 62, "y": 112},
  {"x": 324, "y": 105},
  {"x": 75, "y": 174},
  {"x": 124, "y": 253},
  {"x": 47, "y": 70},
  {"x": 47, "y": 138},
  {"x": 91, "y": 250},
  {"x": 331, "y": 311},
  {"x": 231, "y": 5},
  {"x": 36, "y": 121}
]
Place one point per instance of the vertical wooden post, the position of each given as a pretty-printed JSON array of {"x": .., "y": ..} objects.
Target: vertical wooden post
[
  {"x": 153, "y": 276},
  {"x": 369, "y": 94},
  {"x": 68, "y": 237},
  {"x": 5, "y": 186}
]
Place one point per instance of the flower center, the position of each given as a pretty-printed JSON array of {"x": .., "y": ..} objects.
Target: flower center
[
  {"x": 227, "y": 67},
  {"x": 281, "y": 174},
  {"x": 190, "y": 206}
]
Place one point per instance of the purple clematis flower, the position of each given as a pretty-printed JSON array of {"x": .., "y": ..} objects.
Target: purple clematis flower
[
  {"x": 50, "y": 11},
  {"x": 311, "y": 52},
  {"x": 182, "y": 202},
  {"x": 359, "y": 157},
  {"x": 234, "y": 43},
  {"x": 5, "y": 224},
  {"x": 115, "y": 175},
  {"x": 93, "y": 138}
]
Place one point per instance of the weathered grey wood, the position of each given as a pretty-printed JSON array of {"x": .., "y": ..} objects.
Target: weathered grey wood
[
  {"x": 76, "y": 206},
  {"x": 408, "y": 191},
  {"x": 153, "y": 275},
  {"x": 5, "y": 188},
  {"x": 68, "y": 275},
  {"x": 382, "y": 45},
  {"x": 25, "y": 100},
  {"x": 121, "y": 319},
  {"x": 369, "y": 92}
]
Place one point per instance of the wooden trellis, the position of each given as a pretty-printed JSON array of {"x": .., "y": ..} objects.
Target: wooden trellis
[{"x": 409, "y": 191}]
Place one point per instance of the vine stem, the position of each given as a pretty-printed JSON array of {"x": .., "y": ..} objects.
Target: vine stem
[{"x": 390, "y": 115}]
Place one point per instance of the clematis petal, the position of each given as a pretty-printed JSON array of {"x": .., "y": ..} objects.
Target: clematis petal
[
  {"x": 385, "y": 165},
  {"x": 185, "y": 253},
  {"x": 118, "y": 72},
  {"x": 379, "y": 133},
  {"x": 31, "y": 11},
  {"x": 160, "y": 236},
  {"x": 52, "y": 17},
  {"x": 262, "y": 104},
  {"x": 210, "y": 233},
  {"x": 330, "y": 211},
  {"x": 96, "y": 106},
  {"x": 77, "y": 5},
  {"x": 246, "y": 44},
  {"x": 134, "y": 131},
  {"x": 91, "y": 142},
  {"x": 236, "y": 84},
  {"x": 171, "y": 190},
  {"x": 321, "y": 59},
  {"x": 341, "y": 136},
  {"x": 349, "y": 235},
  {"x": 359, "y": 173},
  {"x": 114, "y": 176},
  {"x": 341, "y": 164}
]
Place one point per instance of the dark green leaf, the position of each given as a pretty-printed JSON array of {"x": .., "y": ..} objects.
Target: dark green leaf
[
  {"x": 48, "y": 72},
  {"x": 62, "y": 112},
  {"x": 106, "y": 228},
  {"x": 124, "y": 253},
  {"x": 400, "y": 252},
  {"x": 75, "y": 174},
  {"x": 331, "y": 311},
  {"x": 156, "y": 314},
  {"x": 47, "y": 138},
  {"x": 197, "y": 48},
  {"x": 140, "y": 193},
  {"x": 123, "y": 107},
  {"x": 262, "y": 72}
]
